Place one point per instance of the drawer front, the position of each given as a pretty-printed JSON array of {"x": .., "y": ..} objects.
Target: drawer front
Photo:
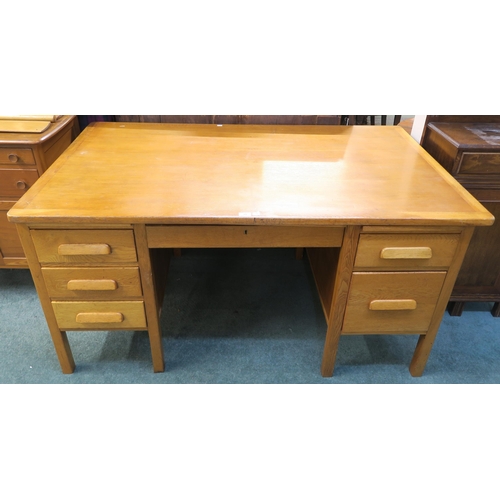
[
  {"x": 243, "y": 236},
  {"x": 392, "y": 302},
  {"x": 101, "y": 283},
  {"x": 406, "y": 251},
  {"x": 14, "y": 182},
  {"x": 10, "y": 246},
  {"x": 119, "y": 315},
  {"x": 16, "y": 156},
  {"x": 84, "y": 246},
  {"x": 479, "y": 163}
]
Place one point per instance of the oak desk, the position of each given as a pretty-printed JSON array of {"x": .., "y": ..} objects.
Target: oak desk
[{"x": 385, "y": 227}]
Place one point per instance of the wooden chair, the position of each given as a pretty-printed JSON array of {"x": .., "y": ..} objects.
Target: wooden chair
[
  {"x": 363, "y": 119},
  {"x": 383, "y": 119}
]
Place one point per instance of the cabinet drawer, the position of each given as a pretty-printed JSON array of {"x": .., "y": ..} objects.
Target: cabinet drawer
[
  {"x": 120, "y": 315},
  {"x": 14, "y": 182},
  {"x": 479, "y": 163},
  {"x": 16, "y": 156},
  {"x": 84, "y": 246},
  {"x": 102, "y": 283},
  {"x": 392, "y": 302},
  {"x": 10, "y": 246},
  {"x": 406, "y": 251}
]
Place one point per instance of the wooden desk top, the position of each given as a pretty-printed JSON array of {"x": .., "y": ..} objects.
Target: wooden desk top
[{"x": 247, "y": 174}]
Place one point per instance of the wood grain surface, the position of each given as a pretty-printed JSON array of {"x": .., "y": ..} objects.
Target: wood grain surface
[{"x": 247, "y": 174}]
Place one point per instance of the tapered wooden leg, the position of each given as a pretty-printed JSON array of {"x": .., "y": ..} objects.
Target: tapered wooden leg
[
  {"x": 339, "y": 299},
  {"x": 59, "y": 338},
  {"x": 299, "y": 253},
  {"x": 63, "y": 351},
  {"x": 421, "y": 353},
  {"x": 150, "y": 298},
  {"x": 425, "y": 342}
]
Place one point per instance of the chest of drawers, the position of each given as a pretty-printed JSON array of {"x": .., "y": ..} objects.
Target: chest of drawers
[
  {"x": 470, "y": 152},
  {"x": 23, "y": 159}
]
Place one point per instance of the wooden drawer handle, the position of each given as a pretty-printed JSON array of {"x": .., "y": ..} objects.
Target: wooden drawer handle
[
  {"x": 21, "y": 185},
  {"x": 84, "y": 249},
  {"x": 99, "y": 317},
  {"x": 393, "y": 305},
  {"x": 406, "y": 253},
  {"x": 13, "y": 158},
  {"x": 92, "y": 285}
]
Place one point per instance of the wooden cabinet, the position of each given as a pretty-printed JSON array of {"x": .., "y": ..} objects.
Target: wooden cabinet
[
  {"x": 470, "y": 151},
  {"x": 23, "y": 159}
]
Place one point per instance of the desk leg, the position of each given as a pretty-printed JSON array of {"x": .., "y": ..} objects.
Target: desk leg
[
  {"x": 59, "y": 338},
  {"x": 339, "y": 299},
  {"x": 150, "y": 298},
  {"x": 63, "y": 350},
  {"x": 425, "y": 342}
]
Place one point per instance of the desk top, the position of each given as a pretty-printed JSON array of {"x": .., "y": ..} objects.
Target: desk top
[{"x": 247, "y": 174}]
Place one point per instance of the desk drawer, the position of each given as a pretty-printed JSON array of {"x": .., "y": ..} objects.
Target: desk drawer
[
  {"x": 84, "y": 246},
  {"x": 243, "y": 236},
  {"x": 14, "y": 182},
  {"x": 406, "y": 251},
  {"x": 16, "y": 156},
  {"x": 393, "y": 302},
  {"x": 101, "y": 283},
  {"x": 120, "y": 315}
]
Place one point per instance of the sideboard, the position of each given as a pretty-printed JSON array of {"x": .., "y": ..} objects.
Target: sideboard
[
  {"x": 469, "y": 149},
  {"x": 23, "y": 158}
]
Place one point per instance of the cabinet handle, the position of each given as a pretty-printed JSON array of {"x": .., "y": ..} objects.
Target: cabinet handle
[
  {"x": 406, "y": 253},
  {"x": 99, "y": 317},
  {"x": 13, "y": 158},
  {"x": 393, "y": 305},
  {"x": 95, "y": 285},
  {"x": 84, "y": 249},
  {"x": 21, "y": 185}
]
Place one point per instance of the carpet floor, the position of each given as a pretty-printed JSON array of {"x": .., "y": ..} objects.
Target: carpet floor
[{"x": 238, "y": 316}]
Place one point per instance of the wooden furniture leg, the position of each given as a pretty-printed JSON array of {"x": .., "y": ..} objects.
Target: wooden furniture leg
[
  {"x": 150, "y": 298},
  {"x": 456, "y": 308},
  {"x": 59, "y": 338},
  {"x": 495, "y": 311},
  {"x": 299, "y": 253},
  {"x": 341, "y": 288},
  {"x": 425, "y": 342}
]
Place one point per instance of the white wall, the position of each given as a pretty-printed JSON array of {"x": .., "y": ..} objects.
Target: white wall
[{"x": 418, "y": 127}]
